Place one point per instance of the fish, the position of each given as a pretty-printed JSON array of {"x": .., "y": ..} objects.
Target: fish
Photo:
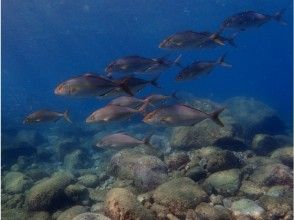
[
  {"x": 46, "y": 116},
  {"x": 200, "y": 67},
  {"x": 111, "y": 113},
  {"x": 121, "y": 140},
  {"x": 89, "y": 85},
  {"x": 180, "y": 115},
  {"x": 194, "y": 40},
  {"x": 127, "y": 101},
  {"x": 133, "y": 83},
  {"x": 248, "y": 19},
  {"x": 155, "y": 98},
  {"x": 138, "y": 64}
]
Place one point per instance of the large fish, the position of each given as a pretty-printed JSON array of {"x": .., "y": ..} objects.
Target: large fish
[
  {"x": 138, "y": 64},
  {"x": 121, "y": 140},
  {"x": 112, "y": 113},
  {"x": 248, "y": 19},
  {"x": 180, "y": 115},
  {"x": 133, "y": 83},
  {"x": 89, "y": 85},
  {"x": 127, "y": 101},
  {"x": 200, "y": 67},
  {"x": 45, "y": 116},
  {"x": 194, "y": 40}
]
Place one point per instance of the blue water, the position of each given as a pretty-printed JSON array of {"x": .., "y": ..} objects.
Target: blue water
[{"x": 45, "y": 42}]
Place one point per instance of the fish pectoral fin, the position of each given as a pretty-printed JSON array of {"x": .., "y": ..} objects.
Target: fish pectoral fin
[{"x": 166, "y": 119}]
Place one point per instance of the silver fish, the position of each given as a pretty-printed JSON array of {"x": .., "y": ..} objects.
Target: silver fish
[
  {"x": 200, "y": 67},
  {"x": 180, "y": 115},
  {"x": 127, "y": 101},
  {"x": 46, "y": 116},
  {"x": 121, "y": 140}
]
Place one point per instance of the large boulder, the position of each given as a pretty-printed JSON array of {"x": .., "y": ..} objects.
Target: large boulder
[
  {"x": 76, "y": 160},
  {"x": 89, "y": 180},
  {"x": 226, "y": 182},
  {"x": 249, "y": 208},
  {"x": 149, "y": 172},
  {"x": 77, "y": 193},
  {"x": 254, "y": 117},
  {"x": 16, "y": 182},
  {"x": 176, "y": 160},
  {"x": 285, "y": 155},
  {"x": 207, "y": 211},
  {"x": 179, "y": 195},
  {"x": 121, "y": 204},
  {"x": 49, "y": 193}
]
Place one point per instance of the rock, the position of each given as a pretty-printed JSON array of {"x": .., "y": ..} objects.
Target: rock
[
  {"x": 284, "y": 192},
  {"x": 216, "y": 199},
  {"x": 225, "y": 182},
  {"x": 149, "y": 172},
  {"x": 196, "y": 173},
  {"x": 90, "y": 216},
  {"x": 247, "y": 207},
  {"x": 16, "y": 182},
  {"x": 70, "y": 213},
  {"x": 39, "y": 216},
  {"x": 75, "y": 160},
  {"x": 36, "y": 174},
  {"x": 285, "y": 155},
  {"x": 262, "y": 144},
  {"x": 161, "y": 211},
  {"x": 206, "y": 211},
  {"x": 176, "y": 160},
  {"x": 14, "y": 214},
  {"x": 179, "y": 199},
  {"x": 251, "y": 190},
  {"x": 213, "y": 159},
  {"x": 89, "y": 180},
  {"x": 49, "y": 194},
  {"x": 204, "y": 134},
  {"x": 97, "y": 207},
  {"x": 276, "y": 207},
  {"x": 146, "y": 197},
  {"x": 254, "y": 117},
  {"x": 272, "y": 174},
  {"x": 15, "y": 201},
  {"x": 77, "y": 193},
  {"x": 122, "y": 204},
  {"x": 97, "y": 195}
]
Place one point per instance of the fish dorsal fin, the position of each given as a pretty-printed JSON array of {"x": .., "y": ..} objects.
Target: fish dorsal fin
[{"x": 194, "y": 108}]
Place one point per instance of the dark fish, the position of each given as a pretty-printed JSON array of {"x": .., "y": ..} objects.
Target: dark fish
[
  {"x": 192, "y": 40},
  {"x": 134, "y": 84},
  {"x": 46, "y": 116},
  {"x": 248, "y": 19},
  {"x": 121, "y": 140},
  {"x": 112, "y": 113},
  {"x": 138, "y": 64},
  {"x": 200, "y": 67},
  {"x": 89, "y": 85},
  {"x": 180, "y": 115}
]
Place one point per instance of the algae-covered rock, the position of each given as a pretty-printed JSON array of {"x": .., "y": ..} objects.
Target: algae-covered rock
[
  {"x": 149, "y": 172},
  {"x": 179, "y": 195},
  {"x": 16, "y": 182},
  {"x": 196, "y": 173},
  {"x": 39, "y": 216},
  {"x": 225, "y": 182},
  {"x": 90, "y": 216},
  {"x": 207, "y": 211},
  {"x": 264, "y": 143},
  {"x": 247, "y": 207},
  {"x": 285, "y": 155},
  {"x": 272, "y": 174},
  {"x": 276, "y": 207},
  {"x": 176, "y": 160},
  {"x": 70, "y": 213},
  {"x": 49, "y": 194},
  {"x": 251, "y": 190},
  {"x": 89, "y": 180},
  {"x": 14, "y": 214},
  {"x": 75, "y": 160},
  {"x": 213, "y": 159},
  {"x": 77, "y": 193},
  {"x": 14, "y": 201},
  {"x": 122, "y": 204}
]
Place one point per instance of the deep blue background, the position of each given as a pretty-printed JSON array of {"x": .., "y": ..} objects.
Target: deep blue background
[{"x": 45, "y": 42}]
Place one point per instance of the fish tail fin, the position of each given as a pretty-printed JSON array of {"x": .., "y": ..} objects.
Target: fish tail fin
[
  {"x": 125, "y": 87},
  {"x": 221, "y": 61},
  {"x": 215, "y": 116},
  {"x": 215, "y": 37},
  {"x": 66, "y": 116},
  {"x": 142, "y": 109},
  {"x": 278, "y": 16},
  {"x": 147, "y": 139},
  {"x": 148, "y": 102},
  {"x": 177, "y": 61},
  {"x": 154, "y": 82}
]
